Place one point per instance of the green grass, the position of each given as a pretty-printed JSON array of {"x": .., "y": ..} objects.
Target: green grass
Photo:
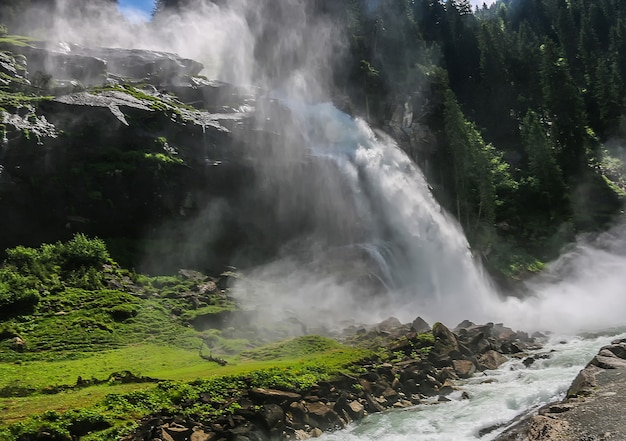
[
  {"x": 308, "y": 360},
  {"x": 310, "y": 344},
  {"x": 9, "y": 42},
  {"x": 14, "y": 410},
  {"x": 149, "y": 360},
  {"x": 59, "y": 298},
  {"x": 16, "y": 100}
]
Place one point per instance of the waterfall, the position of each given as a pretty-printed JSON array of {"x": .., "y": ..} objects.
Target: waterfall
[{"x": 380, "y": 245}]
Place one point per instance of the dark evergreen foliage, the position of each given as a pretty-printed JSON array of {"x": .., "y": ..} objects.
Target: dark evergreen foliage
[{"x": 532, "y": 87}]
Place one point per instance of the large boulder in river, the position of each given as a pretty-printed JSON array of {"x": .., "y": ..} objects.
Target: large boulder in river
[
  {"x": 491, "y": 360},
  {"x": 446, "y": 346}
]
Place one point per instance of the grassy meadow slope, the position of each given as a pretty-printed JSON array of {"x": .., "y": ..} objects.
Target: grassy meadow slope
[{"x": 87, "y": 348}]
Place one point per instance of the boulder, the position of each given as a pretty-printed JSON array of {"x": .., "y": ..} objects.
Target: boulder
[
  {"x": 295, "y": 415},
  {"x": 316, "y": 432},
  {"x": 323, "y": 416},
  {"x": 608, "y": 362},
  {"x": 356, "y": 410},
  {"x": 464, "y": 368},
  {"x": 445, "y": 344},
  {"x": 18, "y": 344},
  {"x": 617, "y": 349},
  {"x": 419, "y": 325},
  {"x": 584, "y": 382},
  {"x": 175, "y": 432},
  {"x": 491, "y": 360},
  {"x": 275, "y": 396},
  {"x": 390, "y": 395},
  {"x": 388, "y": 325},
  {"x": 201, "y": 435},
  {"x": 271, "y": 416}
]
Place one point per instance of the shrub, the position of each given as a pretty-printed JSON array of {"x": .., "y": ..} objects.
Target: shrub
[
  {"x": 83, "y": 421},
  {"x": 120, "y": 313},
  {"x": 17, "y": 294},
  {"x": 82, "y": 251}
]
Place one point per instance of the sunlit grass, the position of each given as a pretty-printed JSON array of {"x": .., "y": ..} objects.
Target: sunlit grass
[
  {"x": 13, "y": 410},
  {"x": 159, "y": 362},
  {"x": 145, "y": 360}
]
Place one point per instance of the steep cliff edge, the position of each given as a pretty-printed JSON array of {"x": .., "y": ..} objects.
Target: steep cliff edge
[
  {"x": 593, "y": 408},
  {"x": 129, "y": 145}
]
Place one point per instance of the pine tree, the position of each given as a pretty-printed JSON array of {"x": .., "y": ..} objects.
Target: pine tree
[{"x": 565, "y": 110}]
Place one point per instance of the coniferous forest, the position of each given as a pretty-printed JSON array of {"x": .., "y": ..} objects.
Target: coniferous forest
[{"x": 526, "y": 103}]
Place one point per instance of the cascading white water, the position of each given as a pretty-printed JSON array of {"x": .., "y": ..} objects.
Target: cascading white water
[
  {"x": 376, "y": 198},
  {"x": 496, "y": 397},
  {"x": 416, "y": 249}
]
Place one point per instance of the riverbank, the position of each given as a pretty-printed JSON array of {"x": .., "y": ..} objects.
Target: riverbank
[
  {"x": 592, "y": 409},
  {"x": 414, "y": 364}
]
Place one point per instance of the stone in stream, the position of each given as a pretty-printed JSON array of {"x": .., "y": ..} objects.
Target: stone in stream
[{"x": 491, "y": 360}]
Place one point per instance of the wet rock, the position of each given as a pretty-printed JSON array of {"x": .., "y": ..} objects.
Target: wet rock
[
  {"x": 301, "y": 434},
  {"x": 372, "y": 406},
  {"x": 322, "y": 416},
  {"x": 295, "y": 415},
  {"x": 316, "y": 432},
  {"x": 175, "y": 432},
  {"x": 272, "y": 416},
  {"x": 491, "y": 360},
  {"x": 275, "y": 396},
  {"x": 464, "y": 368},
  {"x": 390, "y": 395},
  {"x": 419, "y": 325},
  {"x": 584, "y": 382},
  {"x": 92, "y": 66},
  {"x": 356, "y": 410},
  {"x": 201, "y": 435},
  {"x": 445, "y": 344},
  {"x": 608, "y": 362},
  {"x": 617, "y": 349}
]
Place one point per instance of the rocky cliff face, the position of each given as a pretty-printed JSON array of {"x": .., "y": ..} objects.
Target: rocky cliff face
[{"x": 126, "y": 145}]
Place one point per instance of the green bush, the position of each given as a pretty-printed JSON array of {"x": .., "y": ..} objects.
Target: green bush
[
  {"x": 83, "y": 421},
  {"x": 17, "y": 293},
  {"x": 81, "y": 251},
  {"x": 120, "y": 313},
  {"x": 78, "y": 262}
]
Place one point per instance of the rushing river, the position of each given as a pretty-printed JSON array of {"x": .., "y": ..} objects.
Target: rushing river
[{"x": 496, "y": 397}]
